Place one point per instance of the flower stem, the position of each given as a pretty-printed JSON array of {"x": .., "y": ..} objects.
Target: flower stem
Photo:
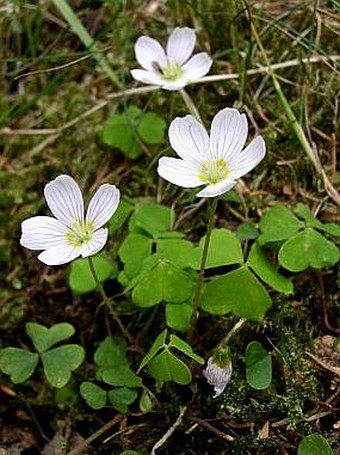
[
  {"x": 190, "y": 104},
  {"x": 232, "y": 332},
  {"x": 199, "y": 284},
  {"x": 108, "y": 302}
]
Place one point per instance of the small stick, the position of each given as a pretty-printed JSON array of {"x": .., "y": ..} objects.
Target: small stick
[{"x": 170, "y": 431}]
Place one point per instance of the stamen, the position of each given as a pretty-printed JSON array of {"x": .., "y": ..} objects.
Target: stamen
[
  {"x": 172, "y": 71},
  {"x": 213, "y": 171},
  {"x": 80, "y": 233}
]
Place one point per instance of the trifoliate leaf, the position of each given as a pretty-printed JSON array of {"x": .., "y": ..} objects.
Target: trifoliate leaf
[
  {"x": 278, "y": 224},
  {"x": 158, "y": 344},
  {"x": 185, "y": 348},
  {"x": 178, "y": 251},
  {"x": 167, "y": 367},
  {"x": 59, "y": 363},
  {"x": 43, "y": 337}
]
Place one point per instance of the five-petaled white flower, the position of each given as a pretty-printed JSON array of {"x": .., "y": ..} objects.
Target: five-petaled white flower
[
  {"x": 70, "y": 234},
  {"x": 172, "y": 68},
  {"x": 216, "y": 161}
]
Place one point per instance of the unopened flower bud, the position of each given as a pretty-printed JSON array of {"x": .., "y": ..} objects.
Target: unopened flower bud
[{"x": 218, "y": 371}]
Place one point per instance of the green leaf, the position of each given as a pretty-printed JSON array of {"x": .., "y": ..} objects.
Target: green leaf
[
  {"x": 81, "y": 280},
  {"x": 314, "y": 444},
  {"x": 261, "y": 265},
  {"x": 94, "y": 395},
  {"x": 258, "y": 366},
  {"x": 120, "y": 216},
  {"x": 121, "y": 376},
  {"x": 133, "y": 251},
  {"x": 239, "y": 292},
  {"x": 158, "y": 344},
  {"x": 224, "y": 249},
  {"x": 246, "y": 231},
  {"x": 169, "y": 283},
  {"x": 308, "y": 249},
  {"x": 151, "y": 128},
  {"x": 185, "y": 348},
  {"x": 178, "y": 251},
  {"x": 178, "y": 315},
  {"x": 43, "y": 338},
  {"x": 278, "y": 224},
  {"x": 120, "y": 131},
  {"x": 111, "y": 353},
  {"x": 166, "y": 367},
  {"x": 331, "y": 228},
  {"x": 145, "y": 402},
  {"x": 60, "y": 362},
  {"x": 151, "y": 218},
  {"x": 120, "y": 398},
  {"x": 304, "y": 212},
  {"x": 19, "y": 364}
]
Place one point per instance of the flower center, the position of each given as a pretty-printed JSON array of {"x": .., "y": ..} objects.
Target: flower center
[
  {"x": 172, "y": 71},
  {"x": 80, "y": 233},
  {"x": 213, "y": 171}
]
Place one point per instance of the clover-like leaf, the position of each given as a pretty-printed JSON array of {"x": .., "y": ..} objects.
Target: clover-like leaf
[
  {"x": 314, "y": 444},
  {"x": 121, "y": 375},
  {"x": 158, "y": 344},
  {"x": 308, "y": 249},
  {"x": 239, "y": 292},
  {"x": 151, "y": 218},
  {"x": 167, "y": 367},
  {"x": 258, "y": 366},
  {"x": 178, "y": 251},
  {"x": 18, "y": 363},
  {"x": 43, "y": 337},
  {"x": 94, "y": 395},
  {"x": 178, "y": 315},
  {"x": 185, "y": 348},
  {"x": 278, "y": 224},
  {"x": 133, "y": 251},
  {"x": 121, "y": 397},
  {"x": 60, "y": 362},
  {"x": 111, "y": 353},
  {"x": 260, "y": 264}
]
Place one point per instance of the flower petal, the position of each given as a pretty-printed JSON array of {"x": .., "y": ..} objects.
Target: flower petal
[
  {"x": 217, "y": 189},
  {"x": 179, "y": 172},
  {"x": 147, "y": 77},
  {"x": 197, "y": 67},
  {"x": 64, "y": 199},
  {"x": 248, "y": 158},
  {"x": 58, "y": 255},
  {"x": 42, "y": 232},
  {"x": 103, "y": 205},
  {"x": 181, "y": 44},
  {"x": 189, "y": 139},
  {"x": 148, "y": 52},
  {"x": 228, "y": 134},
  {"x": 96, "y": 244}
]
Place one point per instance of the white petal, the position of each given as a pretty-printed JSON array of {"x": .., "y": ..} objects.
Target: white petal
[
  {"x": 217, "y": 189},
  {"x": 96, "y": 244},
  {"x": 149, "y": 52},
  {"x": 147, "y": 77},
  {"x": 103, "y": 205},
  {"x": 181, "y": 44},
  {"x": 58, "y": 255},
  {"x": 42, "y": 232},
  {"x": 228, "y": 134},
  {"x": 197, "y": 67},
  {"x": 189, "y": 139},
  {"x": 248, "y": 158},
  {"x": 64, "y": 199},
  {"x": 179, "y": 172}
]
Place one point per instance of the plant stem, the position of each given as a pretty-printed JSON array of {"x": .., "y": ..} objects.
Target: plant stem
[
  {"x": 190, "y": 104},
  {"x": 199, "y": 284},
  {"x": 108, "y": 302},
  {"x": 232, "y": 332},
  {"x": 84, "y": 36}
]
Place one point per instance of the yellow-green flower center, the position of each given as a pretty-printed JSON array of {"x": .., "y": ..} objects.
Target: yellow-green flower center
[
  {"x": 213, "y": 171},
  {"x": 80, "y": 233},
  {"x": 172, "y": 71}
]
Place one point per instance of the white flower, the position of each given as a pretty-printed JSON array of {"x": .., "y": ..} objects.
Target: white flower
[
  {"x": 216, "y": 161},
  {"x": 217, "y": 375},
  {"x": 172, "y": 68},
  {"x": 70, "y": 234}
]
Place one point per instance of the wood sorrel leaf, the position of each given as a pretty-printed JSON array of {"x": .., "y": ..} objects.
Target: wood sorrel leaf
[
  {"x": 331, "y": 228},
  {"x": 167, "y": 367},
  {"x": 111, "y": 353},
  {"x": 94, "y": 395},
  {"x": 260, "y": 264},
  {"x": 178, "y": 251},
  {"x": 239, "y": 292},
  {"x": 121, "y": 375},
  {"x": 81, "y": 280},
  {"x": 123, "y": 211},
  {"x": 314, "y": 444},
  {"x": 43, "y": 337},
  {"x": 185, "y": 348},
  {"x": 18, "y": 363},
  {"x": 308, "y": 249},
  {"x": 158, "y": 344},
  {"x": 258, "y": 366},
  {"x": 151, "y": 218},
  {"x": 60, "y": 362},
  {"x": 177, "y": 316},
  {"x": 133, "y": 251},
  {"x": 224, "y": 249},
  {"x": 121, "y": 397},
  {"x": 278, "y": 224}
]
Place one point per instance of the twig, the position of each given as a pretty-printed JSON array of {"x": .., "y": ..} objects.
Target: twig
[
  {"x": 211, "y": 428},
  {"x": 170, "y": 431}
]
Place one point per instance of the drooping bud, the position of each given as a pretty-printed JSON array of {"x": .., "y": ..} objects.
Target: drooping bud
[{"x": 219, "y": 369}]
